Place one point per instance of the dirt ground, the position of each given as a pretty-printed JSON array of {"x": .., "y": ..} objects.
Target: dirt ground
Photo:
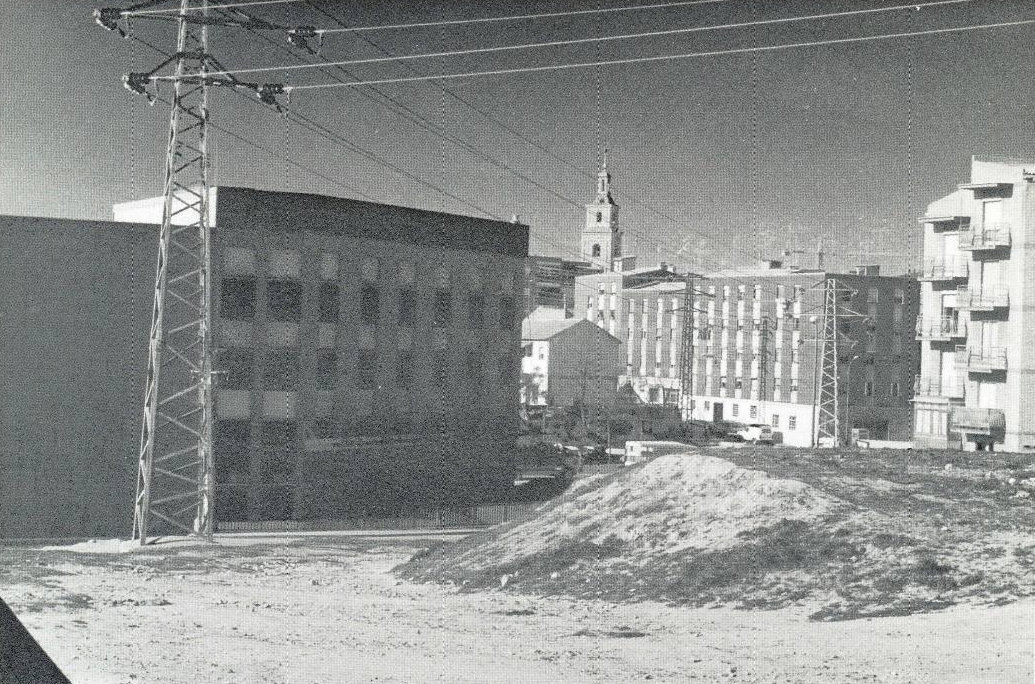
[{"x": 327, "y": 608}]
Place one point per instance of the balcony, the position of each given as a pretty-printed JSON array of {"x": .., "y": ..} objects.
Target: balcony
[
  {"x": 988, "y": 237},
  {"x": 990, "y": 360},
  {"x": 945, "y": 329},
  {"x": 988, "y": 299},
  {"x": 982, "y": 421},
  {"x": 937, "y": 270},
  {"x": 934, "y": 387}
]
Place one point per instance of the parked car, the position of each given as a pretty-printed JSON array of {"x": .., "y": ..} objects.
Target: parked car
[{"x": 757, "y": 433}]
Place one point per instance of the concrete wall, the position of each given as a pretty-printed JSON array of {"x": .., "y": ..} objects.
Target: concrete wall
[{"x": 75, "y": 309}]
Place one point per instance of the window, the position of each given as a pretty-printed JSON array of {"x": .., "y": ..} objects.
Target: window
[
  {"x": 900, "y": 295},
  {"x": 280, "y": 370},
  {"x": 896, "y": 389},
  {"x": 232, "y": 439},
  {"x": 369, "y": 304},
  {"x": 325, "y": 428},
  {"x": 407, "y": 308},
  {"x": 600, "y": 219},
  {"x": 776, "y": 420},
  {"x": 366, "y": 369},
  {"x": 528, "y": 351},
  {"x": 278, "y": 446},
  {"x": 736, "y": 410},
  {"x": 872, "y": 295},
  {"x": 476, "y": 311},
  {"x": 868, "y": 388},
  {"x": 404, "y": 371},
  {"x": 596, "y": 249},
  {"x": 285, "y": 300},
  {"x": 329, "y": 302},
  {"x": 507, "y": 313},
  {"x": 753, "y": 413},
  {"x": 443, "y": 313},
  {"x": 326, "y": 369},
  {"x": 237, "y": 299},
  {"x": 237, "y": 367},
  {"x": 792, "y": 422}
]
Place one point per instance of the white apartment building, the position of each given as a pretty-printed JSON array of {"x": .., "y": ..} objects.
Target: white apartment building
[{"x": 977, "y": 320}]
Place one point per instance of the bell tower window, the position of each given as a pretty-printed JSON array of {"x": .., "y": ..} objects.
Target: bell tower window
[
  {"x": 596, "y": 250},
  {"x": 600, "y": 217}
]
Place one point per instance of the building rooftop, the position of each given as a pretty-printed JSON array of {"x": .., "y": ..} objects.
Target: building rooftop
[{"x": 247, "y": 208}]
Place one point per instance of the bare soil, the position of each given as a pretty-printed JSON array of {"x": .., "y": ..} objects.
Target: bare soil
[
  {"x": 320, "y": 608},
  {"x": 843, "y": 535}
]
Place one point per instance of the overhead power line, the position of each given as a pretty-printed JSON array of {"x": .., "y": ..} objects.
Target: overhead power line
[
  {"x": 662, "y": 58},
  {"x": 447, "y": 22},
  {"x": 595, "y": 40}
]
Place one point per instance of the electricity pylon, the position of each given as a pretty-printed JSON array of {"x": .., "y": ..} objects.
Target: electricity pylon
[
  {"x": 828, "y": 421},
  {"x": 686, "y": 352},
  {"x": 175, "y": 473}
]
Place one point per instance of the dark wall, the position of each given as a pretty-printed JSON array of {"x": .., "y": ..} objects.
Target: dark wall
[{"x": 75, "y": 306}]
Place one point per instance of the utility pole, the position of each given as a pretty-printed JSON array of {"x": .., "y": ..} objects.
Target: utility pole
[{"x": 175, "y": 470}]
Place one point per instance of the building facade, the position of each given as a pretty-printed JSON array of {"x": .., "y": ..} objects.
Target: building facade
[
  {"x": 757, "y": 345},
  {"x": 568, "y": 361},
  {"x": 976, "y": 325},
  {"x": 368, "y": 355}
]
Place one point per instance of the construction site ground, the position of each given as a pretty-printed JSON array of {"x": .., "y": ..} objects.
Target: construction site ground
[{"x": 354, "y": 607}]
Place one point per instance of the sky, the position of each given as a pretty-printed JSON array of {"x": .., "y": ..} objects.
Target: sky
[{"x": 716, "y": 161}]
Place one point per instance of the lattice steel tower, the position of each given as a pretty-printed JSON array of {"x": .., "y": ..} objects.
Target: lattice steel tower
[
  {"x": 176, "y": 480},
  {"x": 175, "y": 473}
]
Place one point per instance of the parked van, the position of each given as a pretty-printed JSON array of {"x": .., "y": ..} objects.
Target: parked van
[
  {"x": 757, "y": 433},
  {"x": 640, "y": 450}
]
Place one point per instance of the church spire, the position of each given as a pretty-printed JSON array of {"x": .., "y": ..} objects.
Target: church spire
[{"x": 604, "y": 183}]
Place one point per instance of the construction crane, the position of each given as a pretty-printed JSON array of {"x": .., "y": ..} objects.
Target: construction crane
[{"x": 175, "y": 473}]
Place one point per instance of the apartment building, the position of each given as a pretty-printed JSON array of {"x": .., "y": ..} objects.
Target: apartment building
[
  {"x": 368, "y": 358},
  {"x": 757, "y": 345},
  {"x": 975, "y": 326}
]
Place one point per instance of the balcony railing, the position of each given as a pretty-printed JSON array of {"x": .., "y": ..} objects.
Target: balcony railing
[
  {"x": 987, "y": 299},
  {"x": 944, "y": 269},
  {"x": 983, "y": 421},
  {"x": 934, "y": 387},
  {"x": 940, "y": 330},
  {"x": 989, "y": 236},
  {"x": 981, "y": 360}
]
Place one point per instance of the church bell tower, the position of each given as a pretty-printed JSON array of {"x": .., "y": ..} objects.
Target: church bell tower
[{"x": 601, "y": 239}]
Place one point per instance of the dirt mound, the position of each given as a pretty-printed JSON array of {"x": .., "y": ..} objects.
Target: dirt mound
[{"x": 699, "y": 530}]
